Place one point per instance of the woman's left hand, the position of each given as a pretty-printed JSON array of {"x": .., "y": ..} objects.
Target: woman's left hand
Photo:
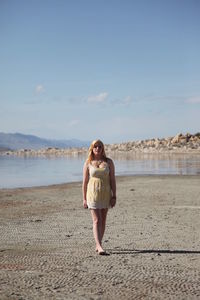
[{"x": 112, "y": 201}]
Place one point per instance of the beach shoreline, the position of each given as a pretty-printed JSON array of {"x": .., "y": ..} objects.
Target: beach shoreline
[
  {"x": 35, "y": 171},
  {"x": 79, "y": 182},
  {"x": 152, "y": 235}
]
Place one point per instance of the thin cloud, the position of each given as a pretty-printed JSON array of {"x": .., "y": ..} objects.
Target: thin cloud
[
  {"x": 127, "y": 100},
  {"x": 39, "y": 89},
  {"x": 98, "y": 98},
  {"x": 73, "y": 123},
  {"x": 193, "y": 100},
  {"x": 95, "y": 99}
]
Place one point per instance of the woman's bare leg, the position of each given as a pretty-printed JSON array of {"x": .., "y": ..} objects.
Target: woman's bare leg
[
  {"x": 97, "y": 228},
  {"x": 103, "y": 221}
]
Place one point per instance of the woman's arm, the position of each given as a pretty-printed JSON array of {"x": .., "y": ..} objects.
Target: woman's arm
[
  {"x": 85, "y": 183},
  {"x": 112, "y": 183}
]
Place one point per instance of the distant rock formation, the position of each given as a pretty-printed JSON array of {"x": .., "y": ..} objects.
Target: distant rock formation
[
  {"x": 178, "y": 144},
  {"x": 188, "y": 143},
  {"x": 51, "y": 151}
]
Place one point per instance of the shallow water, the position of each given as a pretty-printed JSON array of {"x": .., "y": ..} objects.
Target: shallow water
[{"x": 37, "y": 171}]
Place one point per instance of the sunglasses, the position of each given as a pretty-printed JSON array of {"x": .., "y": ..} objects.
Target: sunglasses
[{"x": 98, "y": 146}]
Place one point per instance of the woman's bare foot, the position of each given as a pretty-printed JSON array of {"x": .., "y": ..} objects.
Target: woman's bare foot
[{"x": 99, "y": 250}]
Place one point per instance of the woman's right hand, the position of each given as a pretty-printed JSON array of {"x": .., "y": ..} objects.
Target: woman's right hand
[{"x": 85, "y": 204}]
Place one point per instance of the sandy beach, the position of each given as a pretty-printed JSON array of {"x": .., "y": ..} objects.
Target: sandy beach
[{"x": 152, "y": 236}]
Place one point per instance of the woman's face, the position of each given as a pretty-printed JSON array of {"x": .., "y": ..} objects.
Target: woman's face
[{"x": 97, "y": 149}]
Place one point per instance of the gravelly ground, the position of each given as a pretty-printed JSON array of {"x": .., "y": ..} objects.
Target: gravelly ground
[{"x": 152, "y": 236}]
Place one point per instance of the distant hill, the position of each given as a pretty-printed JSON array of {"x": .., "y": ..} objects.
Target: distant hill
[{"x": 15, "y": 141}]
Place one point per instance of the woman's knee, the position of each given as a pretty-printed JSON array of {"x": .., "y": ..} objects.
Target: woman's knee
[
  {"x": 104, "y": 215},
  {"x": 96, "y": 220}
]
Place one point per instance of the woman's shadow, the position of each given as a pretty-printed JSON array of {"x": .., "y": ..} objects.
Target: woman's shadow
[{"x": 146, "y": 251}]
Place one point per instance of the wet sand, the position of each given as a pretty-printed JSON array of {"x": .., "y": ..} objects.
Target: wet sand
[{"x": 152, "y": 236}]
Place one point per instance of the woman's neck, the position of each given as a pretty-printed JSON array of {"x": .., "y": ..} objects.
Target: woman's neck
[{"x": 98, "y": 157}]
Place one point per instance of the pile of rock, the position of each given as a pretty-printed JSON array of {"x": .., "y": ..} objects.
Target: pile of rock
[
  {"x": 179, "y": 143},
  {"x": 47, "y": 152}
]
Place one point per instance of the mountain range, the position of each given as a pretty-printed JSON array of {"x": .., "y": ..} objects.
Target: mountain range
[{"x": 15, "y": 141}]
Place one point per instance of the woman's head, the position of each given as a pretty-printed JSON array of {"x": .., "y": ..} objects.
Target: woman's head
[{"x": 96, "y": 149}]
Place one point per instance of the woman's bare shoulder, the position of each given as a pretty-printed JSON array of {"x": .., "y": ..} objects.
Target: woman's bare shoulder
[
  {"x": 109, "y": 161},
  {"x": 86, "y": 164}
]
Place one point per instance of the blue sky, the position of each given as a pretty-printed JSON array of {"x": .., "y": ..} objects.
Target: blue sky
[{"x": 87, "y": 69}]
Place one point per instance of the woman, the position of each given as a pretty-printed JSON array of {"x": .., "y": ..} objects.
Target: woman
[{"x": 99, "y": 189}]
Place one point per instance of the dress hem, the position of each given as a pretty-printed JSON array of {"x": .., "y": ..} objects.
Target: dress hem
[{"x": 100, "y": 207}]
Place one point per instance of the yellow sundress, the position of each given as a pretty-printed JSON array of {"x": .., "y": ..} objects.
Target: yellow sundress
[{"x": 98, "y": 188}]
